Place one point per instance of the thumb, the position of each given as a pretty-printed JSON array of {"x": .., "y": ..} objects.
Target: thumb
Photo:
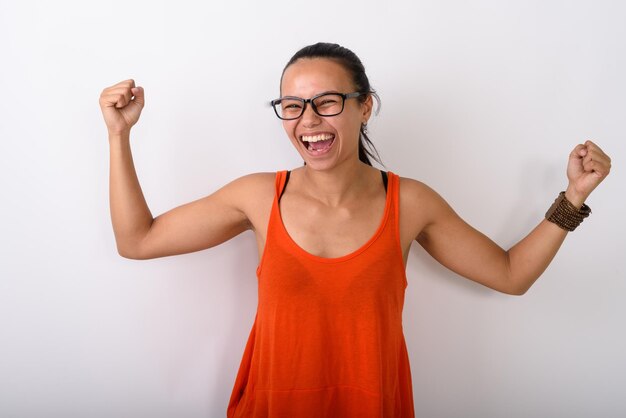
[{"x": 139, "y": 95}]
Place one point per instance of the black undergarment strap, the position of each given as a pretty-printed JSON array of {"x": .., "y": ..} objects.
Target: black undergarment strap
[
  {"x": 383, "y": 174},
  {"x": 385, "y": 181},
  {"x": 285, "y": 186}
]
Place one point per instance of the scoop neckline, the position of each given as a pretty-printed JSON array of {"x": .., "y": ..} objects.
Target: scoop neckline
[{"x": 350, "y": 255}]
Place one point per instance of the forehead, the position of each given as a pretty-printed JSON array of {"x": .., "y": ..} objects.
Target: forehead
[{"x": 310, "y": 76}]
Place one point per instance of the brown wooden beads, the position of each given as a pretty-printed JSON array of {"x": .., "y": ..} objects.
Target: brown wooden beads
[{"x": 564, "y": 214}]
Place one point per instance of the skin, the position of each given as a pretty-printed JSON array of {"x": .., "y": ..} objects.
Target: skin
[{"x": 332, "y": 205}]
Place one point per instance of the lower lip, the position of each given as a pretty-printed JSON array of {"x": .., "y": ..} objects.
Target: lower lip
[{"x": 317, "y": 153}]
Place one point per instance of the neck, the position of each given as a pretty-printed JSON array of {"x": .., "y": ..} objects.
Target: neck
[{"x": 338, "y": 184}]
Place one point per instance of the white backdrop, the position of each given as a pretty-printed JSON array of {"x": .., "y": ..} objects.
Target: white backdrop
[{"x": 482, "y": 100}]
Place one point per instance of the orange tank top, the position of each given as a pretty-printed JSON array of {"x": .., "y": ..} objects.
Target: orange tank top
[{"x": 327, "y": 339}]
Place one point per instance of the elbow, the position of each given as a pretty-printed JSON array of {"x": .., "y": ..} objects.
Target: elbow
[
  {"x": 516, "y": 289},
  {"x": 130, "y": 253},
  {"x": 518, "y": 292},
  {"x": 512, "y": 286},
  {"x": 510, "y": 290},
  {"x": 127, "y": 254},
  {"x": 133, "y": 248}
]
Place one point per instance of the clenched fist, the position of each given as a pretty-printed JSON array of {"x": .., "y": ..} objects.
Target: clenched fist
[
  {"x": 121, "y": 105},
  {"x": 588, "y": 166}
]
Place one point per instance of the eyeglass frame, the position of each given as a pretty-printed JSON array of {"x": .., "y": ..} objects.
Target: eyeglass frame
[{"x": 344, "y": 97}]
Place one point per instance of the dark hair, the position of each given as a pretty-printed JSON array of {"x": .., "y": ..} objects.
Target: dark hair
[{"x": 353, "y": 65}]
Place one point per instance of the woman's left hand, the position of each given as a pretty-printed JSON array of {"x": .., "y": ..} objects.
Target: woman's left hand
[{"x": 588, "y": 166}]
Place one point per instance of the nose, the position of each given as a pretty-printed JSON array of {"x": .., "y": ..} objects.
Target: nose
[{"x": 309, "y": 117}]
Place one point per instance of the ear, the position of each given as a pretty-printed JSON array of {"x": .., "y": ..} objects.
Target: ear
[{"x": 366, "y": 108}]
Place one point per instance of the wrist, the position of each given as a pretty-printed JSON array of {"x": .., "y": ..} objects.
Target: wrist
[
  {"x": 566, "y": 214},
  {"x": 575, "y": 198},
  {"x": 119, "y": 136}
]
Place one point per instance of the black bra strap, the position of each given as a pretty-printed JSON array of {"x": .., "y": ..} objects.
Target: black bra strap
[
  {"x": 385, "y": 180},
  {"x": 383, "y": 173},
  {"x": 285, "y": 185}
]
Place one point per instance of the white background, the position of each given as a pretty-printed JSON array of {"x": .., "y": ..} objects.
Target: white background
[{"x": 481, "y": 100}]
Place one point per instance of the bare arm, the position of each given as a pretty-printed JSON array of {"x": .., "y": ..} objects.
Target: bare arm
[
  {"x": 471, "y": 254},
  {"x": 130, "y": 215},
  {"x": 194, "y": 226},
  {"x": 468, "y": 252}
]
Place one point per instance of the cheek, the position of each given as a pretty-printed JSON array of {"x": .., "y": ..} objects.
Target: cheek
[
  {"x": 353, "y": 118},
  {"x": 350, "y": 127},
  {"x": 289, "y": 128}
]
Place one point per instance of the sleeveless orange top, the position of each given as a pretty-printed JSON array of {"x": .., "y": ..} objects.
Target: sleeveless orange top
[{"x": 327, "y": 339}]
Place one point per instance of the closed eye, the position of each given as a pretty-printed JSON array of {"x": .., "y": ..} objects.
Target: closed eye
[{"x": 327, "y": 102}]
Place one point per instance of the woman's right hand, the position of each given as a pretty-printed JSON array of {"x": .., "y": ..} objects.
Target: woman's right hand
[{"x": 121, "y": 105}]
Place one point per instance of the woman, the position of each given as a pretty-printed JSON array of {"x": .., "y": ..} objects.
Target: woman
[{"x": 333, "y": 238}]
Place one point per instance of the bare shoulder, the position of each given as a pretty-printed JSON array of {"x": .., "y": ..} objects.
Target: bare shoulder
[
  {"x": 254, "y": 181},
  {"x": 415, "y": 194},
  {"x": 419, "y": 207},
  {"x": 253, "y": 194},
  {"x": 251, "y": 187}
]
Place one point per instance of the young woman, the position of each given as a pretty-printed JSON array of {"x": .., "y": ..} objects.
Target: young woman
[{"x": 333, "y": 238}]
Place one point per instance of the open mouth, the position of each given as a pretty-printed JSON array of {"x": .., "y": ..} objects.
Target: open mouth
[{"x": 318, "y": 143}]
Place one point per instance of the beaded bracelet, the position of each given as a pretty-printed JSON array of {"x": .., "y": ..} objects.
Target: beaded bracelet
[{"x": 564, "y": 214}]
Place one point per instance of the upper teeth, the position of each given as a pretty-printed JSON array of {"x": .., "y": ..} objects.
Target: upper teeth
[{"x": 315, "y": 138}]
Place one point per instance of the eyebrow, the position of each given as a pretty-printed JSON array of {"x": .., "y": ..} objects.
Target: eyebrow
[{"x": 316, "y": 94}]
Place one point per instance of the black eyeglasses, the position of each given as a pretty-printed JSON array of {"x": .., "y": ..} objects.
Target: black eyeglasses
[{"x": 324, "y": 104}]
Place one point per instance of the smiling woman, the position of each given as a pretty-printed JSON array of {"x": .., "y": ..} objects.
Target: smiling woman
[
  {"x": 333, "y": 238},
  {"x": 330, "y": 86},
  {"x": 352, "y": 65}
]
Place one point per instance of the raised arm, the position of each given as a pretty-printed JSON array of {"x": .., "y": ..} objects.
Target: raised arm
[
  {"x": 466, "y": 251},
  {"x": 194, "y": 226}
]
